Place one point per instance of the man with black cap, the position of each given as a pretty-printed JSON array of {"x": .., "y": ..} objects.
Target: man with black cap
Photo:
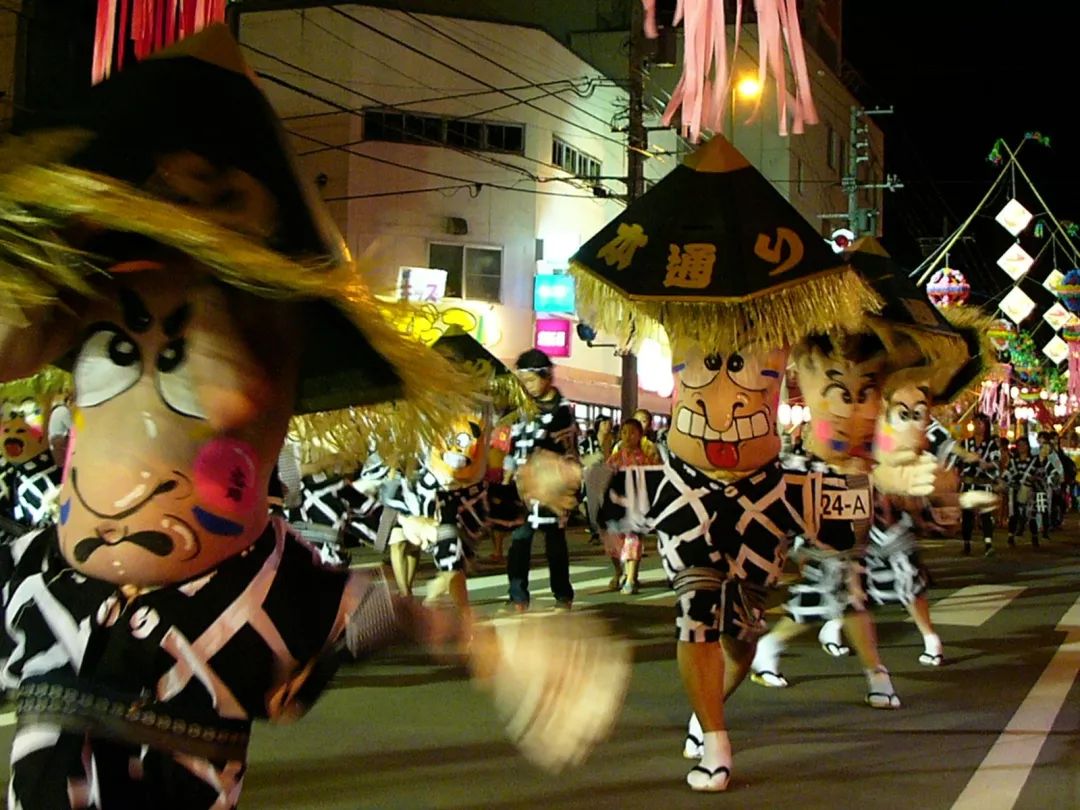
[{"x": 553, "y": 428}]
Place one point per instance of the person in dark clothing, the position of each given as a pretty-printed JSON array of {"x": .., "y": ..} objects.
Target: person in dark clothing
[{"x": 552, "y": 428}]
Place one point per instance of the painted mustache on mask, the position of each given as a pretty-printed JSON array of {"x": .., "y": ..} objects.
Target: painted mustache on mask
[{"x": 155, "y": 542}]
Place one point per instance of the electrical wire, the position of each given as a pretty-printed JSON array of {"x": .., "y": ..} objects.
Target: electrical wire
[{"x": 457, "y": 70}]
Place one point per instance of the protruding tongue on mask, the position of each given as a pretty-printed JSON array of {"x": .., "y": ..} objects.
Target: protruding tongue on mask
[{"x": 722, "y": 455}]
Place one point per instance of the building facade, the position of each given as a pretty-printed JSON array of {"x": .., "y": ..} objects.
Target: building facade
[{"x": 491, "y": 151}]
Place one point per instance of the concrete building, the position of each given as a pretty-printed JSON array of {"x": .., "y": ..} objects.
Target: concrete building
[{"x": 493, "y": 150}]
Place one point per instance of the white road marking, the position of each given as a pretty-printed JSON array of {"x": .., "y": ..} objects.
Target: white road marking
[
  {"x": 997, "y": 782},
  {"x": 7, "y": 719},
  {"x": 973, "y": 605}
]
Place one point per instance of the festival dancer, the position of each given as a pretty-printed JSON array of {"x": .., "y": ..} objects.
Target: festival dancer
[
  {"x": 1026, "y": 479},
  {"x": 625, "y": 552},
  {"x": 552, "y": 429},
  {"x": 29, "y": 472},
  {"x": 980, "y": 474},
  {"x": 841, "y": 382},
  {"x": 733, "y": 279},
  {"x": 198, "y": 612}
]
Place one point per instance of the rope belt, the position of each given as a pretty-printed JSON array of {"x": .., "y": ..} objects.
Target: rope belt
[
  {"x": 710, "y": 579},
  {"x": 74, "y": 709}
]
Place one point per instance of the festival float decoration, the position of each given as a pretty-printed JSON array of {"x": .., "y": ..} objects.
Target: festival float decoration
[{"x": 948, "y": 287}]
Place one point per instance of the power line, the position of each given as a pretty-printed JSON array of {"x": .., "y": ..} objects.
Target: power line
[
  {"x": 464, "y": 181},
  {"x": 448, "y": 66},
  {"x": 376, "y": 102},
  {"x": 488, "y": 59},
  {"x": 575, "y": 181}
]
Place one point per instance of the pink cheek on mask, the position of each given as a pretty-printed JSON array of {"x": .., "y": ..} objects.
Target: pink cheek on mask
[
  {"x": 224, "y": 475},
  {"x": 822, "y": 430},
  {"x": 885, "y": 441}
]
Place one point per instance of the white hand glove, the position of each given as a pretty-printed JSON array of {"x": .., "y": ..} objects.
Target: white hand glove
[
  {"x": 420, "y": 531},
  {"x": 979, "y": 501},
  {"x": 558, "y": 683},
  {"x": 906, "y": 473}
]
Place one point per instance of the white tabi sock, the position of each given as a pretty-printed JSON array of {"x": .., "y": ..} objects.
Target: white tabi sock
[
  {"x": 931, "y": 644},
  {"x": 880, "y": 693},
  {"x": 708, "y": 774},
  {"x": 693, "y": 746},
  {"x": 767, "y": 654}
]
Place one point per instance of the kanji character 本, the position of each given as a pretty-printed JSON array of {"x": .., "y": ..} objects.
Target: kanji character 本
[
  {"x": 620, "y": 250},
  {"x": 692, "y": 266}
]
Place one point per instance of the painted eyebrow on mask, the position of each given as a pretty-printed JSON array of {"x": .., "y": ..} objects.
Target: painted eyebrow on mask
[
  {"x": 137, "y": 317},
  {"x": 768, "y": 372},
  {"x": 174, "y": 322}
]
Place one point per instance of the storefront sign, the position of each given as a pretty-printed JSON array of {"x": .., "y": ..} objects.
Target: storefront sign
[
  {"x": 553, "y": 293},
  {"x": 421, "y": 284},
  {"x": 553, "y": 336}
]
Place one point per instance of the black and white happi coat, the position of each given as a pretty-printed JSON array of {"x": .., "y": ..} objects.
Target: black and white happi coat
[
  {"x": 552, "y": 428},
  {"x": 837, "y": 510},
  {"x": 984, "y": 476},
  {"x": 146, "y": 700},
  {"x": 461, "y": 513},
  {"x": 895, "y": 573},
  {"x": 346, "y": 506},
  {"x": 721, "y": 545},
  {"x": 28, "y": 490}
]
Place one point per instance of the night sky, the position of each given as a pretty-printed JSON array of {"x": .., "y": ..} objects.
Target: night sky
[{"x": 961, "y": 74}]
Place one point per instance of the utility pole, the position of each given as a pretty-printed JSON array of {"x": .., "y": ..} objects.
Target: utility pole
[
  {"x": 636, "y": 144},
  {"x": 860, "y": 219}
]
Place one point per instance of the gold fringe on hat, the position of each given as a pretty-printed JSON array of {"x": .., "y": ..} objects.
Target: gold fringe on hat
[
  {"x": 40, "y": 201},
  {"x": 780, "y": 316},
  {"x": 399, "y": 432},
  {"x": 47, "y": 383}
]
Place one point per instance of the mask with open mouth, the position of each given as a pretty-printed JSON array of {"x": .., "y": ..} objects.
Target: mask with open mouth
[
  {"x": 724, "y": 413},
  {"x": 22, "y": 430}
]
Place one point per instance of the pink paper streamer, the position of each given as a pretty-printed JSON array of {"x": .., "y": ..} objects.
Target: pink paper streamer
[
  {"x": 700, "y": 97},
  {"x": 149, "y": 25}
]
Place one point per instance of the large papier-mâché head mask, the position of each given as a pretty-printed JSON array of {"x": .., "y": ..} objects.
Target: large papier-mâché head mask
[
  {"x": 22, "y": 430},
  {"x": 724, "y": 413},
  {"x": 841, "y": 384},
  {"x": 905, "y": 414},
  {"x": 460, "y": 459},
  {"x": 183, "y": 392}
]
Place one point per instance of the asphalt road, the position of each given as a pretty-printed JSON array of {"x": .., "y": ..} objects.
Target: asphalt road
[{"x": 995, "y": 728}]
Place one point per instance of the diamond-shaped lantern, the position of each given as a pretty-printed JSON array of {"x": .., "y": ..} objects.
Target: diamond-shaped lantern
[
  {"x": 1057, "y": 316},
  {"x": 1057, "y": 349},
  {"x": 1013, "y": 217},
  {"x": 1053, "y": 280},
  {"x": 1017, "y": 305},
  {"x": 948, "y": 287},
  {"x": 1015, "y": 261},
  {"x": 1068, "y": 290}
]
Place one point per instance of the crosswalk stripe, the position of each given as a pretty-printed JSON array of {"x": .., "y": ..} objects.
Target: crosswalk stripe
[
  {"x": 1001, "y": 776},
  {"x": 974, "y": 605}
]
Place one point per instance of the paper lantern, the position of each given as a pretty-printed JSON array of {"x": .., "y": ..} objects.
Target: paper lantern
[
  {"x": 1069, "y": 290},
  {"x": 1001, "y": 333},
  {"x": 948, "y": 287}
]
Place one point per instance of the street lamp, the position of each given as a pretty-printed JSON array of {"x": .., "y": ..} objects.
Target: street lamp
[{"x": 747, "y": 88}]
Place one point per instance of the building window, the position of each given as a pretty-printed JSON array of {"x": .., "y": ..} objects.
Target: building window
[
  {"x": 473, "y": 273},
  {"x": 436, "y": 130},
  {"x": 573, "y": 160},
  {"x": 834, "y": 150},
  {"x": 841, "y": 164}
]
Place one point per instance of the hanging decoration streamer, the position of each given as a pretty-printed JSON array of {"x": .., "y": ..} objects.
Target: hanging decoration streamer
[
  {"x": 948, "y": 287},
  {"x": 994, "y": 399},
  {"x": 705, "y": 84},
  {"x": 146, "y": 26}
]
